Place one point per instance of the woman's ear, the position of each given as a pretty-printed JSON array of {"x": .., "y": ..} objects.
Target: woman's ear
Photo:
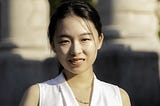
[
  {"x": 100, "y": 40},
  {"x": 53, "y": 47}
]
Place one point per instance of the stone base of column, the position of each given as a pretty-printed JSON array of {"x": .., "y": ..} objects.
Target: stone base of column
[
  {"x": 29, "y": 51},
  {"x": 133, "y": 44}
]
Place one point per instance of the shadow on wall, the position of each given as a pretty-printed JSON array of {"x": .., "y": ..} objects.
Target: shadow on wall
[
  {"x": 18, "y": 74},
  {"x": 4, "y": 21},
  {"x": 136, "y": 72}
]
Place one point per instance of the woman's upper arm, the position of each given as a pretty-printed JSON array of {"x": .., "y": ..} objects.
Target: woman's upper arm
[
  {"x": 31, "y": 96},
  {"x": 125, "y": 98}
]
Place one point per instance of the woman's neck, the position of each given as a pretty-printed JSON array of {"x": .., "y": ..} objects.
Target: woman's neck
[
  {"x": 81, "y": 85},
  {"x": 81, "y": 80}
]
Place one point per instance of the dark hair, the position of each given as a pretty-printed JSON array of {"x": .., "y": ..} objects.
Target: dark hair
[{"x": 78, "y": 8}]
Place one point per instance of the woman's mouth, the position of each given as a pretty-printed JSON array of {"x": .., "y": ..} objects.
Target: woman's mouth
[{"x": 76, "y": 61}]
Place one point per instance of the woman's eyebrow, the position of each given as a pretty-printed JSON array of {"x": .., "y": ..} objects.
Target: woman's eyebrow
[
  {"x": 66, "y": 35},
  {"x": 62, "y": 36},
  {"x": 87, "y": 33}
]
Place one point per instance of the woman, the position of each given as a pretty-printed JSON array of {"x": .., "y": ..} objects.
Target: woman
[{"x": 75, "y": 36}]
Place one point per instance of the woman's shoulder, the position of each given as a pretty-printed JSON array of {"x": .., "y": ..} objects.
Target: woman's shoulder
[
  {"x": 54, "y": 81},
  {"x": 107, "y": 89},
  {"x": 105, "y": 85},
  {"x": 125, "y": 97},
  {"x": 113, "y": 87},
  {"x": 115, "y": 90},
  {"x": 31, "y": 96}
]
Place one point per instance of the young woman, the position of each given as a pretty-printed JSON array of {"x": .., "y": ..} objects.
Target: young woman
[{"x": 75, "y": 36}]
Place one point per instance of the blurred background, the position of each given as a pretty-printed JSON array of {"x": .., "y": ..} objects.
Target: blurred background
[{"x": 129, "y": 57}]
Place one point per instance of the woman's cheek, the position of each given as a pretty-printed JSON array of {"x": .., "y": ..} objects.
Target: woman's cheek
[
  {"x": 90, "y": 46},
  {"x": 64, "y": 50}
]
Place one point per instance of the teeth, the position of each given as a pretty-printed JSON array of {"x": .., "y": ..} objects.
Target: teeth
[{"x": 76, "y": 60}]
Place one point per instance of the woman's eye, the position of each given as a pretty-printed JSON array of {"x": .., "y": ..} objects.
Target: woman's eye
[
  {"x": 85, "y": 39},
  {"x": 64, "y": 42}
]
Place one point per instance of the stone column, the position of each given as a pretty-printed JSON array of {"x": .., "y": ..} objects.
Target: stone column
[
  {"x": 24, "y": 28},
  {"x": 130, "y": 23},
  {"x": 158, "y": 12}
]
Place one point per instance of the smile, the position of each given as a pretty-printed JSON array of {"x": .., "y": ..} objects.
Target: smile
[{"x": 76, "y": 61}]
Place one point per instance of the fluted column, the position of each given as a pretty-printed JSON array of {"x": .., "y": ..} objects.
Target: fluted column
[
  {"x": 24, "y": 27},
  {"x": 158, "y": 13},
  {"x": 130, "y": 23}
]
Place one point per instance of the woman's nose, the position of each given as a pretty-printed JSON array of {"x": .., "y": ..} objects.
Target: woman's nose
[{"x": 75, "y": 48}]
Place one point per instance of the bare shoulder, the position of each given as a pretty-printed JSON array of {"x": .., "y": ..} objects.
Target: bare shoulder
[
  {"x": 31, "y": 96},
  {"x": 125, "y": 98}
]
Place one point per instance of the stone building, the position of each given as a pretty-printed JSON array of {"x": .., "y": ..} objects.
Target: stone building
[{"x": 130, "y": 52}]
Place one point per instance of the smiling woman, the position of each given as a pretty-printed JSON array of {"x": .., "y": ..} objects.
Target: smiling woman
[
  {"x": 75, "y": 45},
  {"x": 75, "y": 36}
]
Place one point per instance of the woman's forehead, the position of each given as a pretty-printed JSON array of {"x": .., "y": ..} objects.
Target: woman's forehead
[{"x": 74, "y": 24}]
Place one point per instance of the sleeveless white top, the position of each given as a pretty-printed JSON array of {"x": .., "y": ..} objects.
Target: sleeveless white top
[{"x": 56, "y": 92}]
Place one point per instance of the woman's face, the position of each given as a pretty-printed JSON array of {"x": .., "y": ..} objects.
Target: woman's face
[{"x": 76, "y": 43}]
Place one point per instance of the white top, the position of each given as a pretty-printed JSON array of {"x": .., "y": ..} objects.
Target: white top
[{"x": 56, "y": 92}]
